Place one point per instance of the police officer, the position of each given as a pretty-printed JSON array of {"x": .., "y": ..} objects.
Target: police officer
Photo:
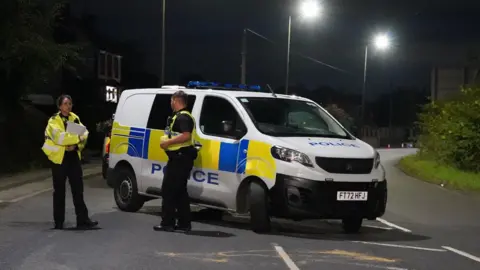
[
  {"x": 179, "y": 146},
  {"x": 63, "y": 149}
]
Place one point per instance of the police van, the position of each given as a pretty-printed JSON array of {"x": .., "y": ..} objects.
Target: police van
[{"x": 259, "y": 153}]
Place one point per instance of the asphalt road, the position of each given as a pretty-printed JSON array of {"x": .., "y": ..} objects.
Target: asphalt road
[{"x": 425, "y": 227}]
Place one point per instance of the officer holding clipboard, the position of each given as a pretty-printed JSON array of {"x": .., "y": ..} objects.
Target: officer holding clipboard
[{"x": 63, "y": 148}]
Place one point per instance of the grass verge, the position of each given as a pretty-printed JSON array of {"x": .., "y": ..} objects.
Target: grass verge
[{"x": 433, "y": 172}]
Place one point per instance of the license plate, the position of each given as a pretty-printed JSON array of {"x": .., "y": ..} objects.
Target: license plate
[{"x": 352, "y": 196}]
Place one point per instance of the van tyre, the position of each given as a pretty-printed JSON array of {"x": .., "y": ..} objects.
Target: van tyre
[
  {"x": 352, "y": 224},
  {"x": 258, "y": 204},
  {"x": 125, "y": 191}
]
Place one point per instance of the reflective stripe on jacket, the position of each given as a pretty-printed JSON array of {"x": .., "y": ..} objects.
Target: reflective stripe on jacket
[
  {"x": 57, "y": 139},
  {"x": 191, "y": 142}
]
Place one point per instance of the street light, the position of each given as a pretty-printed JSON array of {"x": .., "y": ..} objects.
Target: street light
[
  {"x": 162, "y": 75},
  {"x": 308, "y": 9},
  {"x": 380, "y": 42}
]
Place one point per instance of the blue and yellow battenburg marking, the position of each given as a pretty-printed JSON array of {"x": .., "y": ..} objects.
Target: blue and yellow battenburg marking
[{"x": 254, "y": 157}]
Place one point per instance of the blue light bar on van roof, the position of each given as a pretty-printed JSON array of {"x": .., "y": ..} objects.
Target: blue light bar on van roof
[{"x": 223, "y": 86}]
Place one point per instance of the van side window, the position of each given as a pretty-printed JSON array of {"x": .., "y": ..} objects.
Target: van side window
[
  {"x": 220, "y": 118},
  {"x": 161, "y": 110}
]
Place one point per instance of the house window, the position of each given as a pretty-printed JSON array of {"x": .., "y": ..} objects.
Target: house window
[
  {"x": 101, "y": 65},
  {"x": 117, "y": 68},
  {"x": 111, "y": 94},
  {"x": 109, "y": 66}
]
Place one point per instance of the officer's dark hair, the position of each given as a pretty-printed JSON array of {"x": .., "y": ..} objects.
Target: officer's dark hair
[
  {"x": 61, "y": 98},
  {"x": 181, "y": 95}
]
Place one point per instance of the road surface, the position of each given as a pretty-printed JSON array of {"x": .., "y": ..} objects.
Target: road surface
[{"x": 425, "y": 227}]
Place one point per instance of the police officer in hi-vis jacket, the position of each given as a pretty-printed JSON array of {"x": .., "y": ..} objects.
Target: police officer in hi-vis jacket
[
  {"x": 64, "y": 149},
  {"x": 179, "y": 145}
]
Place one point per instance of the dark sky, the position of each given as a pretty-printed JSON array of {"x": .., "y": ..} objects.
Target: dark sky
[{"x": 204, "y": 36}]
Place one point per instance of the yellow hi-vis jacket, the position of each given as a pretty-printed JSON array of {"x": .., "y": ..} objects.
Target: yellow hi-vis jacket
[
  {"x": 57, "y": 139},
  {"x": 172, "y": 134}
]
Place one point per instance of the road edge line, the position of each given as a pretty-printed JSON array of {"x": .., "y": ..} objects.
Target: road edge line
[
  {"x": 400, "y": 246},
  {"x": 393, "y": 225},
  {"x": 38, "y": 192},
  {"x": 462, "y": 253},
  {"x": 286, "y": 259}
]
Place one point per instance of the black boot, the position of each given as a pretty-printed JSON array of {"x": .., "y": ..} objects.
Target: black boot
[
  {"x": 86, "y": 224},
  {"x": 184, "y": 229},
  {"x": 164, "y": 228}
]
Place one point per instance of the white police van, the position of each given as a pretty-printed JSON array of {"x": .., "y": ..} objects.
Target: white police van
[{"x": 260, "y": 153}]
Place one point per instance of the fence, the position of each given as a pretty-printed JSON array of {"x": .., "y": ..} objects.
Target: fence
[{"x": 384, "y": 136}]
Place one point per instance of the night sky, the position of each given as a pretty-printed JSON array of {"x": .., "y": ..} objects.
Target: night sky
[{"x": 204, "y": 37}]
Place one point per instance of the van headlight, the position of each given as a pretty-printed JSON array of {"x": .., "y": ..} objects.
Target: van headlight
[
  {"x": 290, "y": 155},
  {"x": 376, "y": 162}
]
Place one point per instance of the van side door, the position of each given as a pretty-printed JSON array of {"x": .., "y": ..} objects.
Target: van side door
[
  {"x": 219, "y": 130},
  {"x": 154, "y": 157}
]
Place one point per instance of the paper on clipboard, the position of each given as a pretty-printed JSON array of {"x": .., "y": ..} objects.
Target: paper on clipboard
[{"x": 76, "y": 128}]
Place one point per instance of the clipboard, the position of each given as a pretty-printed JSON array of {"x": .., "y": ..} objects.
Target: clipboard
[{"x": 76, "y": 128}]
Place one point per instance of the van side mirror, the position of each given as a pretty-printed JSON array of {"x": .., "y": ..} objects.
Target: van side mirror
[
  {"x": 229, "y": 129},
  {"x": 227, "y": 126}
]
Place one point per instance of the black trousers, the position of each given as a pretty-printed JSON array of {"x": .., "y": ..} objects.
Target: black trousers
[
  {"x": 70, "y": 168},
  {"x": 176, "y": 201}
]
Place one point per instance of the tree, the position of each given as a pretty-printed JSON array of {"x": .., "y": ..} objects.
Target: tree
[
  {"x": 450, "y": 130},
  {"x": 341, "y": 115},
  {"x": 29, "y": 55}
]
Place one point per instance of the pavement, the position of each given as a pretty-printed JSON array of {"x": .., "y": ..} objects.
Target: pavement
[{"x": 425, "y": 227}]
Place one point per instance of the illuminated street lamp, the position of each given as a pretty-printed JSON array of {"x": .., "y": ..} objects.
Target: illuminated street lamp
[
  {"x": 381, "y": 42},
  {"x": 308, "y": 9}
]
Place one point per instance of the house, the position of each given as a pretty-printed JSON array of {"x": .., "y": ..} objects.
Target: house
[{"x": 447, "y": 81}]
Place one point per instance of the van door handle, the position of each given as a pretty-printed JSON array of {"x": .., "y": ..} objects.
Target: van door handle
[{"x": 245, "y": 151}]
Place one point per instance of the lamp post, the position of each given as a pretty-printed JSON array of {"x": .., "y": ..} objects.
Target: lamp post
[
  {"x": 162, "y": 76},
  {"x": 380, "y": 42},
  {"x": 308, "y": 9}
]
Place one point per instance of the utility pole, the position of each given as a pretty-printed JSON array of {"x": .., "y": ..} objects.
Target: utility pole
[
  {"x": 390, "y": 111},
  {"x": 162, "y": 76},
  {"x": 288, "y": 54},
  {"x": 243, "y": 79},
  {"x": 364, "y": 89}
]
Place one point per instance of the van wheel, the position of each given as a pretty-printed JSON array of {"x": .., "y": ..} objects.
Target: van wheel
[
  {"x": 125, "y": 191},
  {"x": 352, "y": 224},
  {"x": 259, "y": 217}
]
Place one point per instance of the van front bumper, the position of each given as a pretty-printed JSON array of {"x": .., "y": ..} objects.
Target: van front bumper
[{"x": 299, "y": 198}]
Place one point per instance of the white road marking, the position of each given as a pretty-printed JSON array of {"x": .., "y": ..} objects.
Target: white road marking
[
  {"x": 462, "y": 253},
  {"x": 393, "y": 225},
  {"x": 377, "y": 227},
  {"x": 400, "y": 246},
  {"x": 288, "y": 261},
  {"x": 21, "y": 198}
]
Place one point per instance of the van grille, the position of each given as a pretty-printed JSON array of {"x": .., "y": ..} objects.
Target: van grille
[{"x": 345, "y": 165}]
